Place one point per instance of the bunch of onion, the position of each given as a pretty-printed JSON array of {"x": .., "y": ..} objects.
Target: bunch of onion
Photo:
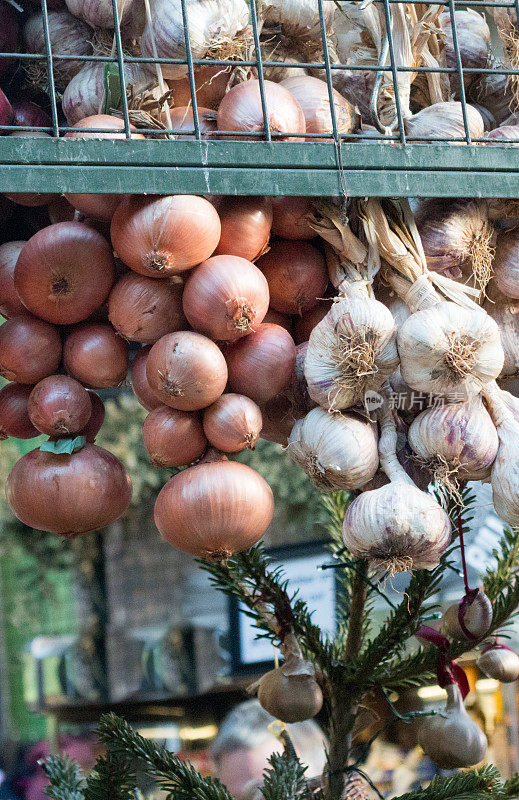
[
  {"x": 505, "y": 487},
  {"x": 173, "y": 438},
  {"x": 10, "y": 303},
  {"x": 473, "y": 36},
  {"x": 30, "y": 349},
  {"x": 68, "y": 36},
  {"x": 505, "y": 312},
  {"x": 262, "y": 364},
  {"x": 8, "y": 35},
  {"x": 96, "y": 356},
  {"x": 291, "y": 217},
  {"x": 14, "y": 413},
  {"x": 100, "y": 13},
  {"x": 296, "y": 275},
  {"x": 241, "y": 110},
  {"x": 397, "y": 527},
  {"x": 141, "y": 388},
  {"x": 233, "y": 423},
  {"x": 214, "y": 28},
  {"x": 144, "y": 309},
  {"x": 211, "y": 83},
  {"x": 313, "y": 96},
  {"x": 246, "y": 224},
  {"x": 444, "y": 121}
]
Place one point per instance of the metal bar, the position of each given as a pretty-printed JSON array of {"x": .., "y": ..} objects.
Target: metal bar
[
  {"x": 122, "y": 77},
  {"x": 192, "y": 82},
  {"x": 259, "y": 65},
  {"x": 459, "y": 65},
  {"x": 389, "y": 32},
  {"x": 50, "y": 70},
  {"x": 324, "y": 38}
]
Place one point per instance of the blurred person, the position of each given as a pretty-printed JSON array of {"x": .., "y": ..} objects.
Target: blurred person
[{"x": 244, "y": 744}]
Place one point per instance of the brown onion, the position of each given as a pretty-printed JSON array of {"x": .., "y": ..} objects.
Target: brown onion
[
  {"x": 186, "y": 370},
  {"x": 214, "y": 510},
  {"x": 182, "y": 120},
  {"x": 233, "y": 423},
  {"x": 30, "y": 199},
  {"x": 241, "y": 110},
  {"x": 307, "y": 322},
  {"x": 165, "y": 235},
  {"x": 313, "y": 97},
  {"x": 279, "y": 319},
  {"x": 30, "y": 349},
  {"x": 226, "y": 297},
  {"x": 14, "y": 416},
  {"x": 59, "y": 405},
  {"x": 210, "y": 85},
  {"x": 261, "y": 364},
  {"x": 96, "y": 420},
  {"x": 64, "y": 272},
  {"x": 60, "y": 210},
  {"x": 291, "y": 217},
  {"x": 10, "y": 303},
  {"x": 96, "y": 356},
  {"x": 297, "y": 276},
  {"x": 144, "y": 309},
  {"x": 69, "y": 494},
  {"x": 141, "y": 388},
  {"x": 246, "y": 223},
  {"x": 173, "y": 438}
]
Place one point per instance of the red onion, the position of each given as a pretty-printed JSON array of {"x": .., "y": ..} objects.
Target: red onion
[
  {"x": 246, "y": 223},
  {"x": 30, "y": 349},
  {"x": 213, "y": 510},
  {"x": 69, "y": 494},
  {"x": 145, "y": 309},
  {"x": 27, "y": 114},
  {"x": 8, "y": 35},
  {"x": 241, "y": 110},
  {"x": 291, "y": 217},
  {"x": 59, "y": 405},
  {"x": 297, "y": 276},
  {"x": 30, "y": 199},
  {"x": 96, "y": 420},
  {"x": 10, "y": 303},
  {"x": 96, "y": 356},
  {"x": 182, "y": 120},
  {"x": 210, "y": 84},
  {"x": 141, "y": 388},
  {"x": 233, "y": 423},
  {"x": 14, "y": 416},
  {"x": 165, "y": 235},
  {"x": 6, "y": 110},
  {"x": 64, "y": 272},
  {"x": 313, "y": 97},
  {"x": 226, "y": 297},
  {"x": 279, "y": 319},
  {"x": 186, "y": 370},
  {"x": 306, "y": 323},
  {"x": 262, "y": 364},
  {"x": 60, "y": 210},
  {"x": 173, "y": 438}
]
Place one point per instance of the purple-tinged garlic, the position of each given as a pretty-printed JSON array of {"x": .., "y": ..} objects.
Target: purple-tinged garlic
[
  {"x": 506, "y": 313},
  {"x": 100, "y": 13},
  {"x": 290, "y": 692},
  {"x": 68, "y": 36},
  {"x": 505, "y": 470},
  {"x": 445, "y": 121},
  {"x": 473, "y": 42},
  {"x": 506, "y": 264},
  {"x": 470, "y": 619},
  {"x": 500, "y": 663},
  {"x": 450, "y": 738}
]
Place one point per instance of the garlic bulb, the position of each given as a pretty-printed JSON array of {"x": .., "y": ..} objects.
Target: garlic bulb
[
  {"x": 450, "y": 738},
  {"x": 68, "y": 37},
  {"x": 351, "y": 351},
  {"x": 85, "y": 94},
  {"x": 473, "y": 42},
  {"x": 420, "y": 474},
  {"x": 458, "y": 441},
  {"x": 285, "y": 54},
  {"x": 449, "y": 350},
  {"x": 506, "y": 313},
  {"x": 469, "y": 619},
  {"x": 500, "y": 663},
  {"x": 444, "y": 120},
  {"x": 297, "y": 18},
  {"x": 100, "y": 14},
  {"x": 506, "y": 264},
  {"x": 505, "y": 470},
  {"x": 493, "y": 92},
  {"x": 337, "y": 451},
  {"x": 406, "y": 400},
  {"x": 212, "y": 29},
  {"x": 290, "y": 692}
]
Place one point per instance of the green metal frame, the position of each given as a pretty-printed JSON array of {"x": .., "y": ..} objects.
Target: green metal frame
[{"x": 156, "y": 166}]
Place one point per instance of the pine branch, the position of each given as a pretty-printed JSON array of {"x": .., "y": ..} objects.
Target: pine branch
[
  {"x": 113, "y": 777},
  {"x": 474, "y": 785},
  {"x": 284, "y": 779},
  {"x": 66, "y": 779},
  {"x": 511, "y": 787},
  {"x": 498, "y": 578}
]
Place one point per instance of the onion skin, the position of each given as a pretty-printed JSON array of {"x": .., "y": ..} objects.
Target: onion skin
[
  {"x": 297, "y": 276},
  {"x": 144, "y": 309},
  {"x": 313, "y": 97},
  {"x": 164, "y": 236},
  {"x": 186, "y": 370},
  {"x": 30, "y": 349},
  {"x": 96, "y": 420},
  {"x": 8, "y": 35},
  {"x": 279, "y": 319},
  {"x": 27, "y": 114},
  {"x": 214, "y": 510},
  {"x": 96, "y": 356},
  {"x": 241, "y": 110},
  {"x": 173, "y": 438},
  {"x": 307, "y": 322},
  {"x": 246, "y": 224},
  {"x": 233, "y": 423},
  {"x": 14, "y": 416},
  {"x": 182, "y": 120},
  {"x": 64, "y": 272},
  {"x": 10, "y": 303},
  {"x": 69, "y": 494},
  {"x": 59, "y": 405},
  {"x": 141, "y": 388},
  {"x": 210, "y": 86},
  {"x": 262, "y": 364},
  {"x": 291, "y": 217},
  {"x": 226, "y": 297}
]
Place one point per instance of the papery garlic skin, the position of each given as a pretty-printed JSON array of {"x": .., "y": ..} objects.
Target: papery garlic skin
[
  {"x": 505, "y": 470},
  {"x": 86, "y": 92},
  {"x": 337, "y": 451},
  {"x": 298, "y": 18},
  {"x": 477, "y": 615},
  {"x": 506, "y": 313},
  {"x": 506, "y": 264},
  {"x": 499, "y": 663},
  {"x": 290, "y": 692},
  {"x": 450, "y": 738},
  {"x": 100, "y": 14},
  {"x": 450, "y": 351},
  {"x": 351, "y": 351},
  {"x": 445, "y": 121},
  {"x": 68, "y": 36},
  {"x": 473, "y": 42}
]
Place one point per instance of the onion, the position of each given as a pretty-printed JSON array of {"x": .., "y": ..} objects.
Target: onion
[
  {"x": 291, "y": 217},
  {"x": 8, "y": 35},
  {"x": 6, "y": 110},
  {"x": 68, "y": 35},
  {"x": 27, "y": 114},
  {"x": 30, "y": 349},
  {"x": 186, "y": 370},
  {"x": 210, "y": 85},
  {"x": 96, "y": 420},
  {"x": 214, "y": 510},
  {"x": 262, "y": 364},
  {"x": 279, "y": 319},
  {"x": 14, "y": 416},
  {"x": 297, "y": 276},
  {"x": 233, "y": 423},
  {"x": 182, "y": 120},
  {"x": 96, "y": 356},
  {"x": 306, "y": 323},
  {"x": 141, "y": 388},
  {"x": 144, "y": 309},
  {"x": 64, "y": 272},
  {"x": 10, "y": 303},
  {"x": 166, "y": 235},
  {"x": 241, "y": 110},
  {"x": 69, "y": 494},
  {"x": 226, "y": 297},
  {"x": 59, "y": 405},
  {"x": 173, "y": 438},
  {"x": 246, "y": 223},
  {"x": 100, "y": 13},
  {"x": 30, "y": 199},
  {"x": 313, "y": 97},
  {"x": 60, "y": 210}
]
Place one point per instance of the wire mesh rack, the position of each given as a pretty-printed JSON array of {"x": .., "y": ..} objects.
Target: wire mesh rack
[{"x": 407, "y": 59}]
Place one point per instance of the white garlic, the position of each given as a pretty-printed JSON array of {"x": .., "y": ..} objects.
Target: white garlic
[
  {"x": 476, "y": 614},
  {"x": 450, "y": 738},
  {"x": 473, "y": 43},
  {"x": 100, "y": 14},
  {"x": 506, "y": 264},
  {"x": 445, "y": 120},
  {"x": 450, "y": 351},
  {"x": 351, "y": 351},
  {"x": 499, "y": 663},
  {"x": 506, "y": 313},
  {"x": 298, "y": 18},
  {"x": 337, "y": 451},
  {"x": 290, "y": 692},
  {"x": 505, "y": 470},
  {"x": 68, "y": 37}
]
